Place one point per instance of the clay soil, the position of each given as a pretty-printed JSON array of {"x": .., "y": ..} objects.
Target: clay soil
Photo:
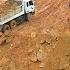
[{"x": 42, "y": 43}]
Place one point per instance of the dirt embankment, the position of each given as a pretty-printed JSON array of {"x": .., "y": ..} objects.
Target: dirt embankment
[{"x": 40, "y": 44}]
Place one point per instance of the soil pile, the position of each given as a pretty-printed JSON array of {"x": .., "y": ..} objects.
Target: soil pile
[{"x": 6, "y": 7}]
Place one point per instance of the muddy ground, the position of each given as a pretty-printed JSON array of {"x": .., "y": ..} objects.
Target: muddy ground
[{"x": 43, "y": 43}]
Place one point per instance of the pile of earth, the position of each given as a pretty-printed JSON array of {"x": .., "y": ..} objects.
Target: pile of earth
[{"x": 6, "y": 7}]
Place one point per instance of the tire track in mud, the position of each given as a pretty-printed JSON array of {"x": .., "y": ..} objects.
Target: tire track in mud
[{"x": 53, "y": 7}]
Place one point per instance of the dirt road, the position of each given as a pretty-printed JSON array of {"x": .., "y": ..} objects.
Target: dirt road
[{"x": 43, "y": 43}]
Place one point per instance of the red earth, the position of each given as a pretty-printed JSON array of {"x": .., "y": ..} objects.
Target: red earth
[{"x": 43, "y": 43}]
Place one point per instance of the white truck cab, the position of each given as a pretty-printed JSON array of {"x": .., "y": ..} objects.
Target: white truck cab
[{"x": 29, "y": 6}]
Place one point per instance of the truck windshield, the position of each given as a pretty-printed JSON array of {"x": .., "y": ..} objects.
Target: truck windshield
[{"x": 30, "y": 2}]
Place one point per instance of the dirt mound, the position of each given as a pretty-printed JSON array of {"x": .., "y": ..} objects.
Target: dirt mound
[{"x": 7, "y": 7}]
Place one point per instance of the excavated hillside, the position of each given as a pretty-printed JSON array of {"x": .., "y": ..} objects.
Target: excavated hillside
[{"x": 43, "y": 43}]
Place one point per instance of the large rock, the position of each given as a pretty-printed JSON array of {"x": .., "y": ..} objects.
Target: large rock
[
  {"x": 41, "y": 55},
  {"x": 33, "y": 57}
]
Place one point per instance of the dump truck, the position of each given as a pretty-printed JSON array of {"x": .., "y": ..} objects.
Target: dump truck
[{"x": 11, "y": 18}]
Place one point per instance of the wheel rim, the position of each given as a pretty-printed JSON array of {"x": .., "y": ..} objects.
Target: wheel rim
[{"x": 6, "y": 28}]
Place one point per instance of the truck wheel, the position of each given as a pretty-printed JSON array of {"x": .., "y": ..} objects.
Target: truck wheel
[
  {"x": 27, "y": 16},
  {"x": 5, "y": 28},
  {"x": 13, "y": 24}
]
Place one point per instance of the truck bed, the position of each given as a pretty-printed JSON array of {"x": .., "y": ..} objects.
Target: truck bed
[
  {"x": 7, "y": 11},
  {"x": 10, "y": 13}
]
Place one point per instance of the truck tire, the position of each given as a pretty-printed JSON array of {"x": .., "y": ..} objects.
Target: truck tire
[
  {"x": 13, "y": 24},
  {"x": 5, "y": 28},
  {"x": 27, "y": 16}
]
